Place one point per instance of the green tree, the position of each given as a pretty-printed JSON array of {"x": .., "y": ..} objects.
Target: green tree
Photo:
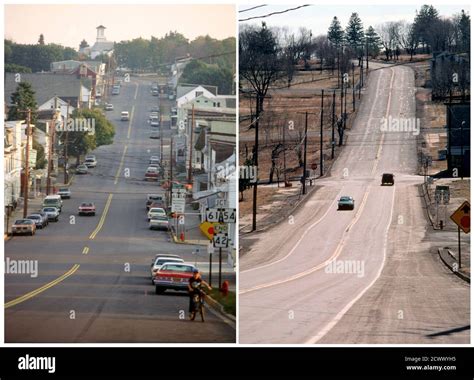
[
  {"x": 425, "y": 20},
  {"x": 40, "y": 155},
  {"x": 83, "y": 44},
  {"x": 355, "y": 35},
  {"x": 22, "y": 99},
  {"x": 104, "y": 129},
  {"x": 373, "y": 41},
  {"x": 198, "y": 72},
  {"x": 13, "y": 68},
  {"x": 41, "y": 39},
  {"x": 335, "y": 33}
]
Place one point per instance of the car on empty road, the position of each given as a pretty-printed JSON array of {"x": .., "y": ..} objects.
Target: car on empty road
[
  {"x": 24, "y": 226},
  {"x": 345, "y": 203},
  {"x": 388, "y": 179},
  {"x": 109, "y": 107},
  {"x": 52, "y": 213},
  {"x": 124, "y": 116},
  {"x": 82, "y": 169},
  {"x": 159, "y": 223},
  {"x": 173, "y": 276},
  {"x": 87, "y": 208},
  {"x": 64, "y": 193},
  {"x": 155, "y": 211}
]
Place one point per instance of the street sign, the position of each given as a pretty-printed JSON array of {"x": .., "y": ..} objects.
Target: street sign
[
  {"x": 462, "y": 217},
  {"x": 221, "y": 240},
  {"x": 221, "y": 228},
  {"x": 177, "y": 205},
  {"x": 222, "y": 215}
]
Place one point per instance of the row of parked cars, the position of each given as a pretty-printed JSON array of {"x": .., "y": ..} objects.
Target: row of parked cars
[
  {"x": 156, "y": 213},
  {"x": 170, "y": 272}
]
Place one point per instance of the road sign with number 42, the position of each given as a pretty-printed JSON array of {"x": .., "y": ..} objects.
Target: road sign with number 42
[{"x": 221, "y": 240}]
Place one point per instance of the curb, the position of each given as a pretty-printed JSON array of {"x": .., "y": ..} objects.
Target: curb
[
  {"x": 217, "y": 307},
  {"x": 7, "y": 237},
  {"x": 188, "y": 242},
  {"x": 449, "y": 265}
]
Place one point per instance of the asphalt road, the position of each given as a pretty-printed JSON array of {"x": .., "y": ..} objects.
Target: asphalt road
[
  {"x": 93, "y": 283},
  {"x": 384, "y": 284}
]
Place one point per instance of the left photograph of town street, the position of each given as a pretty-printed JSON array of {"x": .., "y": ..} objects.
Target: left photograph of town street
[{"x": 120, "y": 173}]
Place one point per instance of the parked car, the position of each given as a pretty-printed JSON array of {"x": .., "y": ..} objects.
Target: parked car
[
  {"x": 43, "y": 215},
  {"x": 345, "y": 203},
  {"x": 151, "y": 174},
  {"x": 64, "y": 193},
  {"x": 124, "y": 116},
  {"x": 154, "y": 122},
  {"x": 155, "y": 92},
  {"x": 154, "y": 114},
  {"x": 160, "y": 261},
  {"x": 155, "y": 135},
  {"x": 388, "y": 179},
  {"x": 87, "y": 208},
  {"x": 38, "y": 219},
  {"x": 52, "y": 213},
  {"x": 159, "y": 223},
  {"x": 161, "y": 255},
  {"x": 155, "y": 109},
  {"x": 53, "y": 201},
  {"x": 24, "y": 226},
  {"x": 90, "y": 162},
  {"x": 151, "y": 198},
  {"x": 116, "y": 91},
  {"x": 154, "y": 159},
  {"x": 156, "y": 211},
  {"x": 173, "y": 276},
  {"x": 82, "y": 169},
  {"x": 109, "y": 107}
]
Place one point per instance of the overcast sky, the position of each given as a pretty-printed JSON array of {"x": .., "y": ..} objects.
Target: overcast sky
[
  {"x": 69, "y": 24},
  {"x": 319, "y": 17}
]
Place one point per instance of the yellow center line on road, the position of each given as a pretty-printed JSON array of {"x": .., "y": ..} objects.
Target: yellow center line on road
[
  {"x": 117, "y": 175},
  {"x": 85, "y": 251},
  {"x": 29, "y": 295},
  {"x": 130, "y": 122},
  {"x": 102, "y": 218}
]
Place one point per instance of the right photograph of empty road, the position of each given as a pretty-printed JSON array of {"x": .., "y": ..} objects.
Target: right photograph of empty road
[{"x": 354, "y": 191}]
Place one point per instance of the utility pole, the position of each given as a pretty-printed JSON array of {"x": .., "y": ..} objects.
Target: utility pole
[
  {"x": 361, "y": 82},
  {"x": 284, "y": 154},
  {"x": 171, "y": 170},
  {"x": 353, "y": 88},
  {"x": 321, "y": 139},
  {"x": 190, "y": 170},
  {"x": 345, "y": 106},
  {"x": 305, "y": 146},
  {"x": 51, "y": 143},
  {"x": 66, "y": 159},
  {"x": 367, "y": 55},
  {"x": 255, "y": 162},
  {"x": 333, "y": 139},
  {"x": 161, "y": 135},
  {"x": 27, "y": 164}
]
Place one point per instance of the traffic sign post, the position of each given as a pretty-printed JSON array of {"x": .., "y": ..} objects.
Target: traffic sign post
[{"x": 462, "y": 217}]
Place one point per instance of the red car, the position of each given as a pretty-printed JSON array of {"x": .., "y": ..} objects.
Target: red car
[
  {"x": 173, "y": 276},
  {"x": 87, "y": 208},
  {"x": 151, "y": 174}
]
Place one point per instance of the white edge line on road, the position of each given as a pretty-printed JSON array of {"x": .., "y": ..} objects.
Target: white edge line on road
[
  {"x": 136, "y": 90},
  {"x": 297, "y": 243},
  {"x": 339, "y": 315},
  {"x": 129, "y": 132},
  {"x": 334, "y": 256}
]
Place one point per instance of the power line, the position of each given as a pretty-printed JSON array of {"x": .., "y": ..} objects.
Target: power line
[
  {"x": 275, "y": 13},
  {"x": 249, "y": 9}
]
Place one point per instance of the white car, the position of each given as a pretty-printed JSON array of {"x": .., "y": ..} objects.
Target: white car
[
  {"x": 124, "y": 116},
  {"x": 159, "y": 261},
  {"x": 64, "y": 192},
  {"x": 154, "y": 159},
  {"x": 156, "y": 211},
  {"x": 159, "y": 223},
  {"x": 109, "y": 107},
  {"x": 90, "y": 162},
  {"x": 154, "y": 122}
]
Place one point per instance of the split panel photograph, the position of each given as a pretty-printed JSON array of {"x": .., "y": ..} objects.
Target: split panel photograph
[{"x": 120, "y": 177}]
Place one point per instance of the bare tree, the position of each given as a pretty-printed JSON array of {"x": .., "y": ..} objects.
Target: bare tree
[
  {"x": 389, "y": 33},
  {"x": 408, "y": 38}
]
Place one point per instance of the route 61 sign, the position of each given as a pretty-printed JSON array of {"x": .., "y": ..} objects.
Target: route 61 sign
[{"x": 221, "y": 240}]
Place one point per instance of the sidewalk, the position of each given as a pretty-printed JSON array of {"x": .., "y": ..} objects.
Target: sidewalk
[{"x": 192, "y": 233}]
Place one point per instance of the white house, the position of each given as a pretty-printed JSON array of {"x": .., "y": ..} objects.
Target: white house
[
  {"x": 12, "y": 160},
  {"x": 187, "y": 93}
]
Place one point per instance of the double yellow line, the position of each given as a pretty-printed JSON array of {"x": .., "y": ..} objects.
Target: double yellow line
[
  {"x": 102, "y": 217},
  {"x": 29, "y": 295}
]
